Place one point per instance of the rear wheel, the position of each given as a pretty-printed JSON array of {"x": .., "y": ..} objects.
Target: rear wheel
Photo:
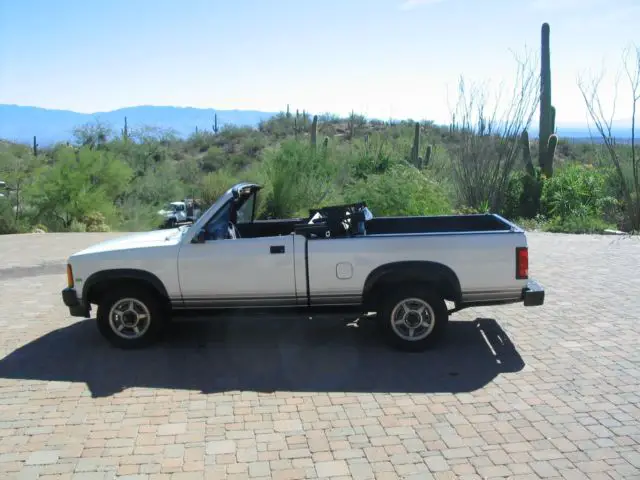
[
  {"x": 131, "y": 317},
  {"x": 413, "y": 318}
]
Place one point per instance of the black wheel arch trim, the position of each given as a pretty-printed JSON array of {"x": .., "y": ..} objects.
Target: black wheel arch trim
[
  {"x": 416, "y": 271},
  {"x": 123, "y": 274}
]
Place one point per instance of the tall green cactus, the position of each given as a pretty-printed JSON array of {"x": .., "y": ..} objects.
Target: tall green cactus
[
  {"x": 415, "y": 158},
  {"x": 314, "y": 131},
  {"x": 352, "y": 126},
  {"x": 35, "y": 147},
  {"x": 427, "y": 156},
  {"x": 125, "y": 130},
  {"x": 547, "y": 111},
  {"x": 215, "y": 123},
  {"x": 526, "y": 153},
  {"x": 416, "y": 145}
]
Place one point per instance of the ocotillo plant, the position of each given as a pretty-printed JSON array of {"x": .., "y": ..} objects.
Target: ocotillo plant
[
  {"x": 547, "y": 111},
  {"x": 314, "y": 131},
  {"x": 35, "y": 147}
]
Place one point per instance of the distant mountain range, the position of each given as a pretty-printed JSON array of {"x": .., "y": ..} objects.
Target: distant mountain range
[{"x": 21, "y": 123}]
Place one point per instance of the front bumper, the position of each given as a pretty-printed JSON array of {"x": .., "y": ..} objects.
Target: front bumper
[
  {"x": 76, "y": 307},
  {"x": 533, "y": 294}
]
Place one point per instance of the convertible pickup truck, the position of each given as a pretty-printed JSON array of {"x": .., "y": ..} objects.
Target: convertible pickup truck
[{"x": 399, "y": 271}]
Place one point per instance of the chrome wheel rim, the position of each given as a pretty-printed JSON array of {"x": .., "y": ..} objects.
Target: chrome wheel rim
[
  {"x": 412, "y": 319},
  {"x": 129, "y": 318}
]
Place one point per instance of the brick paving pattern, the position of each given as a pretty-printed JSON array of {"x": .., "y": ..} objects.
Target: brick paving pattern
[{"x": 548, "y": 392}]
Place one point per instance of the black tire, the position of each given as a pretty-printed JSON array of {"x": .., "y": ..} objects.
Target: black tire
[
  {"x": 425, "y": 336},
  {"x": 143, "y": 298}
]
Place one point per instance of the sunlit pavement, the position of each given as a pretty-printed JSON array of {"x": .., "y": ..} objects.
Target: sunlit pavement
[{"x": 545, "y": 392}]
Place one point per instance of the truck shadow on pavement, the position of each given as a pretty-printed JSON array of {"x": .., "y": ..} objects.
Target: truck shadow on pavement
[{"x": 267, "y": 355}]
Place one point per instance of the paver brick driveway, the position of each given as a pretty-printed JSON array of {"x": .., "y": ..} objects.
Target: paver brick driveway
[{"x": 548, "y": 392}]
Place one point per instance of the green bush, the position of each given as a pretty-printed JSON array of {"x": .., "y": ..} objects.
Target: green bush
[
  {"x": 214, "y": 159},
  {"x": 577, "y": 224},
  {"x": 298, "y": 178},
  {"x": 77, "y": 184},
  {"x": 403, "y": 190},
  {"x": 96, "y": 222},
  {"x": 522, "y": 196},
  {"x": 576, "y": 191},
  {"x": 215, "y": 184},
  {"x": 7, "y": 219}
]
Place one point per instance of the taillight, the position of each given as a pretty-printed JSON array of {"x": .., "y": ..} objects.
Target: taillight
[
  {"x": 69, "y": 276},
  {"x": 522, "y": 263}
]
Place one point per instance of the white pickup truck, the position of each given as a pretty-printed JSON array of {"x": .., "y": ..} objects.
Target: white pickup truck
[{"x": 398, "y": 270}]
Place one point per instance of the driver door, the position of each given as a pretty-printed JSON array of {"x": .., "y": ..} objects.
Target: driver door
[{"x": 226, "y": 272}]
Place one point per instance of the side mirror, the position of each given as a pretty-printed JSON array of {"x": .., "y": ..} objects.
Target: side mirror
[{"x": 200, "y": 237}]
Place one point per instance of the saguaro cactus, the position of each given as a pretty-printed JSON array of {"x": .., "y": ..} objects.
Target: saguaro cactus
[
  {"x": 125, "y": 130},
  {"x": 416, "y": 146},
  {"x": 314, "y": 131},
  {"x": 427, "y": 156},
  {"x": 526, "y": 153},
  {"x": 35, "y": 147},
  {"x": 215, "y": 123},
  {"x": 547, "y": 111}
]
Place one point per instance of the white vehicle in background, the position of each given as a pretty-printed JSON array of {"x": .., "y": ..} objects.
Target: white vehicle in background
[
  {"x": 179, "y": 213},
  {"x": 337, "y": 258},
  {"x": 3, "y": 186}
]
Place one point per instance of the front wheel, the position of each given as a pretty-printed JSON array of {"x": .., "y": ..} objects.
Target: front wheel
[
  {"x": 131, "y": 317},
  {"x": 413, "y": 318}
]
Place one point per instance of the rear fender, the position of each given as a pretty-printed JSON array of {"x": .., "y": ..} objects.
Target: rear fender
[{"x": 439, "y": 276}]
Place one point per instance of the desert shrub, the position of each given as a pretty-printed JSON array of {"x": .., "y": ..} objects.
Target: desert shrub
[
  {"x": 77, "y": 184},
  {"x": 252, "y": 145},
  {"x": 96, "y": 222},
  {"x": 215, "y": 184},
  {"x": 7, "y": 219},
  {"x": 403, "y": 190},
  {"x": 577, "y": 224},
  {"x": 77, "y": 227},
  {"x": 201, "y": 141},
  {"x": 371, "y": 158},
  {"x": 214, "y": 159},
  {"x": 160, "y": 184},
  {"x": 298, "y": 178},
  {"x": 576, "y": 191},
  {"x": 522, "y": 195},
  {"x": 137, "y": 216}
]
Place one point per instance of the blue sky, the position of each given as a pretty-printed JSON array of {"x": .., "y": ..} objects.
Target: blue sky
[{"x": 379, "y": 57}]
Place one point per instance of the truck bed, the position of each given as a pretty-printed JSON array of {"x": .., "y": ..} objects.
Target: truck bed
[{"x": 437, "y": 224}]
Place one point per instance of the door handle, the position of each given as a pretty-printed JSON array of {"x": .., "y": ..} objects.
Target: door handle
[{"x": 276, "y": 249}]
